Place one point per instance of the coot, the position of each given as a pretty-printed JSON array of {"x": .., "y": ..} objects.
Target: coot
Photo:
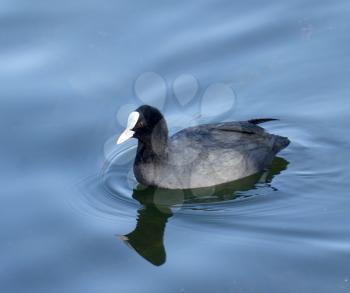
[{"x": 200, "y": 156}]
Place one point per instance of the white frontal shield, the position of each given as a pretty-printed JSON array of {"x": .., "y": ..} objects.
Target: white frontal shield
[{"x": 128, "y": 133}]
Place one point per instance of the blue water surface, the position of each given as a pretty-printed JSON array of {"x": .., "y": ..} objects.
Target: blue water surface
[{"x": 73, "y": 218}]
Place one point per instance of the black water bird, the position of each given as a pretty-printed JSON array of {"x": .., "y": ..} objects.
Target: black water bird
[{"x": 199, "y": 156}]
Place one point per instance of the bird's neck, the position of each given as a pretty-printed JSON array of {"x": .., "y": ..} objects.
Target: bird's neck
[{"x": 153, "y": 148}]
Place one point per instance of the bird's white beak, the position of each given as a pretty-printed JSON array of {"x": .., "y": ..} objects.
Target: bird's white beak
[{"x": 128, "y": 133}]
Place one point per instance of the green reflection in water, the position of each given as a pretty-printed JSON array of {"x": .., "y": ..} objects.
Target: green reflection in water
[{"x": 158, "y": 205}]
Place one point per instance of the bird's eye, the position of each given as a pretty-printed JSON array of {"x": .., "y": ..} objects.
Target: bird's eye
[{"x": 141, "y": 124}]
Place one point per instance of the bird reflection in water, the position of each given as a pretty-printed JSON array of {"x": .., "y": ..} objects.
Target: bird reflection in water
[{"x": 158, "y": 205}]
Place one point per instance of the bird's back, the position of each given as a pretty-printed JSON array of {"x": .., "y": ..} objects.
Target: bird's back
[{"x": 212, "y": 154}]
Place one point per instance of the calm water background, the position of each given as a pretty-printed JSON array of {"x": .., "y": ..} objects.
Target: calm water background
[{"x": 66, "y": 70}]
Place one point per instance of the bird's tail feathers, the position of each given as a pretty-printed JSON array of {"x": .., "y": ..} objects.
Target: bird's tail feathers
[{"x": 262, "y": 120}]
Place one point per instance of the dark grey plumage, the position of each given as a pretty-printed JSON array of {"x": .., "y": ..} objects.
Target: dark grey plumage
[{"x": 203, "y": 155}]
